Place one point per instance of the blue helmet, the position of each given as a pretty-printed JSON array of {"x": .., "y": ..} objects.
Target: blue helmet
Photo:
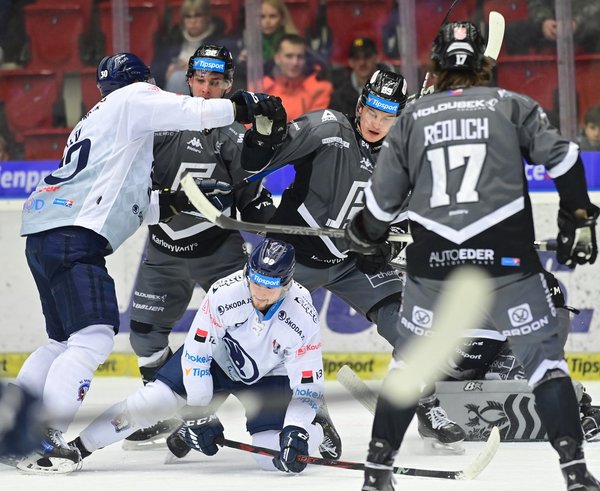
[
  {"x": 271, "y": 264},
  {"x": 120, "y": 70}
]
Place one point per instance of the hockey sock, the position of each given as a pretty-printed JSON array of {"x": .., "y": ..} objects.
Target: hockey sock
[
  {"x": 557, "y": 406},
  {"x": 70, "y": 374},
  {"x": 391, "y": 422},
  {"x": 32, "y": 375}
]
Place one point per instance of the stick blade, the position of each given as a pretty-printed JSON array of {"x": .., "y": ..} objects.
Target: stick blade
[
  {"x": 495, "y": 35},
  {"x": 485, "y": 457},
  {"x": 461, "y": 305}
]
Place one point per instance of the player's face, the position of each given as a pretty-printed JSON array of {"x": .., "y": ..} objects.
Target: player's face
[
  {"x": 263, "y": 297},
  {"x": 290, "y": 59},
  {"x": 374, "y": 124},
  {"x": 270, "y": 19},
  {"x": 209, "y": 85}
]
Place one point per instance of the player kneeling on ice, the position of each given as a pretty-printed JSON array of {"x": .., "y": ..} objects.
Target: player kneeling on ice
[{"x": 256, "y": 335}]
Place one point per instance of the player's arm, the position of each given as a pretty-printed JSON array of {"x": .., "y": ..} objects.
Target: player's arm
[{"x": 197, "y": 354}]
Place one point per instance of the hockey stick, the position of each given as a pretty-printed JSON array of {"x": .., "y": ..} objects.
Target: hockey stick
[
  {"x": 363, "y": 394},
  {"x": 204, "y": 206},
  {"x": 470, "y": 472}
]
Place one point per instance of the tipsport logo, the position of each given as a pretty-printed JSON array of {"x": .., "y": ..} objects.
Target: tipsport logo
[
  {"x": 209, "y": 65},
  {"x": 381, "y": 104}
]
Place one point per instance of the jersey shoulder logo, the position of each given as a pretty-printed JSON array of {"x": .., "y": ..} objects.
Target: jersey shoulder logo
[
  {"x": 328, "y": 116},
  {"x": 195, "y": 142}
]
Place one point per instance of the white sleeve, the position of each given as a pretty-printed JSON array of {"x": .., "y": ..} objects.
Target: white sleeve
[
  {"x": 304, "y": 365},
  {"x": 152, "y": 215},
  {"x": 157, "y": 110},
  {"x": 197, "y": 355}
]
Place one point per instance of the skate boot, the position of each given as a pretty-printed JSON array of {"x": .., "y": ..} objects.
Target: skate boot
[
  {"x": 331, "y": 446},
  {"x": 590, "y": 417},
  {"x": 379, "y": 468},
  {"x": 572, "y": 465},
  {"x": 152, "y": 437},
  {"x": 55, "y": 456},
  {"x": 177, "y": 446},
  {"x": 436, "y": 429}
]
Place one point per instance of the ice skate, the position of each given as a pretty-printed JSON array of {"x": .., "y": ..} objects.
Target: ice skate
[
  {"x": 437, "y": 430},
  {"x": 572, "y": 465},
  {"x": 379, "y": 467},
  {"x": 331, "y": 446},
  {"x": 153, "y": 437},
  {"x": 590, "y": 418},
  {"x": 55, "y": 456}
]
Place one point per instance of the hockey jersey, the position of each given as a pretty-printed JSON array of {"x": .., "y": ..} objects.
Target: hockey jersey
[
  {"x": 249, "y": 345},
  {"x": 103, "y": 182},
  {"x": 205, "y": 154},
  {"x": 333, "y": 165},
  {"x": 460, "y": 155}
]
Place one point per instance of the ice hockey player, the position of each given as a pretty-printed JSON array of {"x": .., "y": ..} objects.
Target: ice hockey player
[
  {"x": 486, "y": 355},
  {"x": 255, "y": 334},
  {"x": 334, "y": 156},
  {"x": 82, "y": 212},
  {"x": 461, "y": 150},
  {"x": 186, "y": 251}
]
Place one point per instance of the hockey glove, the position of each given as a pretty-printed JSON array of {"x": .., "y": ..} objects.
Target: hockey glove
[
  {"x": 249, "y": 105},
  {"x": 200, "y": 434},
  {"x": 372, "y": 256},
  {"x": 268, "y": 131},
  {"x": 293, "y": 441},
  {"x": 218, "y": 192},
  {"x": 172, "y": 203},
  {"x": 576, "y": 241}
]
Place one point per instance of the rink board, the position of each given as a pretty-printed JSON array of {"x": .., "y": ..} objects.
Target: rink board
[{"x": 478, "y": 405}]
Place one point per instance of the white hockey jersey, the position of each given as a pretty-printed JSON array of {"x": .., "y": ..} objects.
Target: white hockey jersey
[
  {"x": 104, "y": 179},
  {"x": 248, "y": 345}
]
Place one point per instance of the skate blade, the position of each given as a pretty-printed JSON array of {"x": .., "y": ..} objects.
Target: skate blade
[
  {"x": 171, "y": 458},
  {"x": 29, "y": 465},
  {"x": 155, "y": 444},
  {"x": 437, "y": 447}
]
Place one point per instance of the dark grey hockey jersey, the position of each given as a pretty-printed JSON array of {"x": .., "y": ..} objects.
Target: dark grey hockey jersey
[
  {"x": 333, "y": 165},
  {"x": 460, "y": 153},
  {"x": 207, "y": 154}
]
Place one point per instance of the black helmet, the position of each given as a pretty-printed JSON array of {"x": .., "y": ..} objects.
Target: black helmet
[
  {"x": 119, "y": 70},
  {"x": 271, "y": 264},
  {"x": 211, "y": 58},
  {"x": 458, "y": 46},
  {"x": 385, "y": 91}
]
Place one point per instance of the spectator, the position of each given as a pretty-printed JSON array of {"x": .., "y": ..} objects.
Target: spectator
[
  {"x": 197, "y": 26},
  {"x": 586, "y": 19},
  {"x": 589, "y": 139},
  {"x": 363, "y": 61},
  {"x": 300, "y": 86}
]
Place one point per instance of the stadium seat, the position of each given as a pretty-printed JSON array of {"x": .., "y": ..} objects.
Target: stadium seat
[
  {"x": 587, "y": 74},
  {"x": 303, "y": 13},
  {"x": 29, "y": 99},
  {"x": 144, "y": 25},
  {"x": 533, "y": 75},
  {"x": 348, "y": 19},
  {"x": 55, "y": 36},
  {"x": 45, "y": 143},
  {"x": 90, "y": 94}
]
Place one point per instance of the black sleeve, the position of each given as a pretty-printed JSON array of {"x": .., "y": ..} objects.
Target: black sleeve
[
  {"x": 572, "y": 188},
  {"x": 254, "y": 158}
]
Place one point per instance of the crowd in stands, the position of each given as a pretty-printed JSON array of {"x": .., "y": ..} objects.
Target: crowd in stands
[{"x": 304, "y": 63}]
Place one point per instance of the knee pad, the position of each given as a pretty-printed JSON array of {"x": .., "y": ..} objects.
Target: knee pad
[
  {"x": 93, "y": 343},
  {"x": 152, "y": 403},
  {"x": 386, "y": 315},
  {"x": 32, "y": 375}
]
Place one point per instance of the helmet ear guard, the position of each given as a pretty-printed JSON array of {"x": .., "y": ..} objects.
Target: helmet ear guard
[{"x": 458, "y": 46}]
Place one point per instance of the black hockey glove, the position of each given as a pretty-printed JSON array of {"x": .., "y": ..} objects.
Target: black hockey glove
[
  {"x": 268, "y": 130},
  {"x": 200, "y": 434},
  {"x": 576, "y": 241},
  {"x": 249, "y": 105},
  {"x": 293, "y": 441},
  {"x": 372, "y": 255},
  {"x": 218, "y": 192},
  {"x": 172, "y": 203}
]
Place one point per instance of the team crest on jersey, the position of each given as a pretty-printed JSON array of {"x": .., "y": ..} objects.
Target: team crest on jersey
[
  {"x": 195, "y": 142},
  {"x": 328, "y": 116},
  {"x": 366, "y": 164},
  {"x": 200, "y": 335},
  {"x": 83, "y": 389}
]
